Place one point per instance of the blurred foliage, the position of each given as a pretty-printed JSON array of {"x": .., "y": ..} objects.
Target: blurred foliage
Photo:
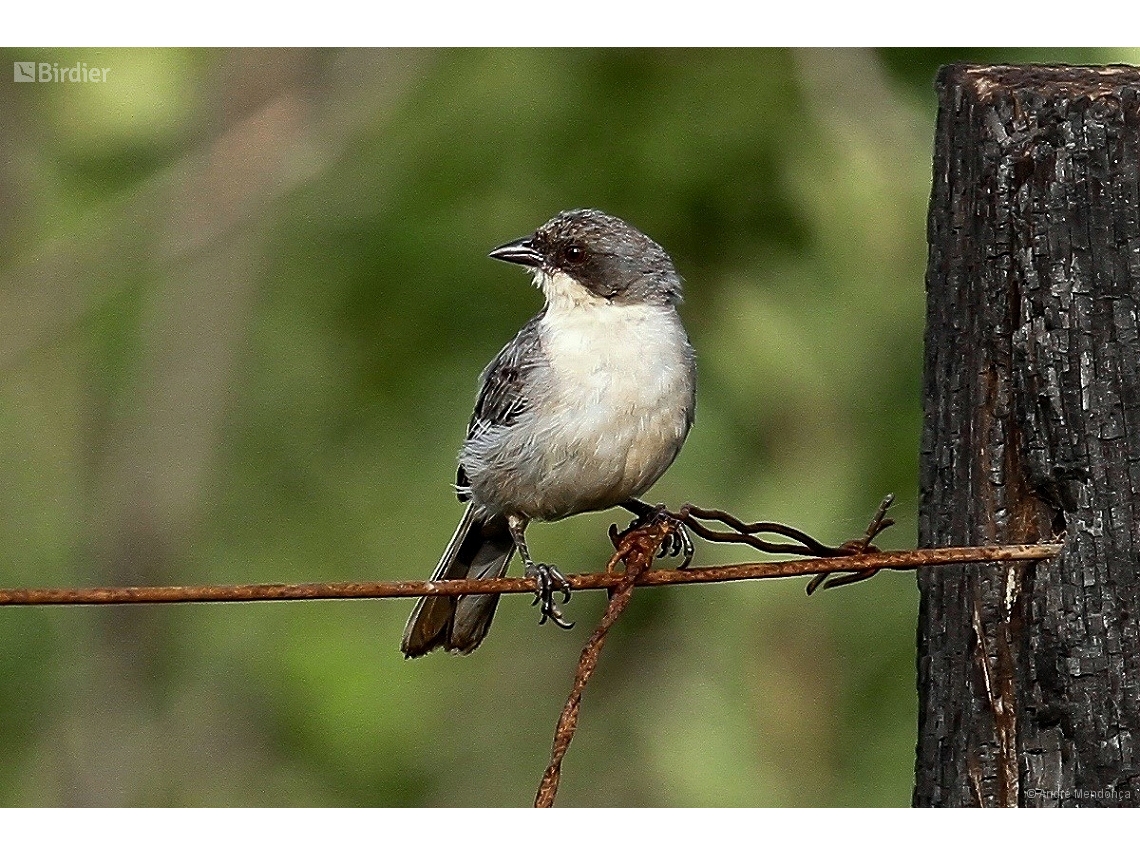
[{"x": 265, "y": 376}]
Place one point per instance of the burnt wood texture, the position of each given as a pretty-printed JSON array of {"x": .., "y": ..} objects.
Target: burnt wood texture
[{"x": 1029, "y": 676}]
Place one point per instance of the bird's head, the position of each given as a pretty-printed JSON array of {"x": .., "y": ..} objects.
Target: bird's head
[{"x": 603, "y": 256}]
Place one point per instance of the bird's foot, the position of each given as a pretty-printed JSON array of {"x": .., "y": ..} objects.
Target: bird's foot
[
  {"x": 550, "y": 580},
  {"x": 676, "y": 542}
]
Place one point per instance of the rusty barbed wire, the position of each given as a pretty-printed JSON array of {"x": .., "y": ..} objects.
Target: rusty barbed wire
[
  {"x": 658, "y": 534},
  {"x": 888, "y": 560},
  {"x": 662, "y": 534},
  {"x": 636, "y": 550},
  {"x": 859, "y": 558}
]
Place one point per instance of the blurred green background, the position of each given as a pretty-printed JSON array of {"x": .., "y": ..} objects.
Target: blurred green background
[{"x": 244, "y": 302}]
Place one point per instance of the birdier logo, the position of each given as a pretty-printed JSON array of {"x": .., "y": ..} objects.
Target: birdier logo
[{"x": 51, "y": 72}]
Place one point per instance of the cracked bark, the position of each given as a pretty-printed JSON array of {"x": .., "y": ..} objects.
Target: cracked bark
[{"x": 1029, "y": 677}]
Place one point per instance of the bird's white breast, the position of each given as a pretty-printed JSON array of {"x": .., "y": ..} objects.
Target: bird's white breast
[{"x": 618, "y": 401}]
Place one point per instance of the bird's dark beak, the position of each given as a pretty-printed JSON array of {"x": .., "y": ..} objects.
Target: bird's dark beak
[{"x": 519, "y": 251}]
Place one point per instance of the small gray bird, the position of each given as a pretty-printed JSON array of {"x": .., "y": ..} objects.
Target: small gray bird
[{"x": 584, "y": 410}]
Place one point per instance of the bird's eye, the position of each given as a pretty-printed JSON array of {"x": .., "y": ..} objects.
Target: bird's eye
[{"x": 574, "y": 253}]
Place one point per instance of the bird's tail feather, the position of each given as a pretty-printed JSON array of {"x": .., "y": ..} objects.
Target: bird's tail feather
[{"x": 479, "y": 549}]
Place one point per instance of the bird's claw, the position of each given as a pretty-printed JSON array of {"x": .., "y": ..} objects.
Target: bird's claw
[
  {"x": 549, "y": 579},
  {"x": 677, "y": 542}
]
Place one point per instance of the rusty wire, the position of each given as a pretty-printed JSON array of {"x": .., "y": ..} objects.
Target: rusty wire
[
  {"x": 635, "y": 547},
  {"x": 893, "y": 560},
  {"x": 636, "y": 550}
]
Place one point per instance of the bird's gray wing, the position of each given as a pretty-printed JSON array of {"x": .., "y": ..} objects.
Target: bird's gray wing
[{"x": 502, "y": 397}]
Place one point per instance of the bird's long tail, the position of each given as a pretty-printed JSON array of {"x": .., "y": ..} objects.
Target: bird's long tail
[{"x": 479, "y": 549}]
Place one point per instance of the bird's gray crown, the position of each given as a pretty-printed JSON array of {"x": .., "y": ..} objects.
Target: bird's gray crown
[{"x": 604, "y": 254}]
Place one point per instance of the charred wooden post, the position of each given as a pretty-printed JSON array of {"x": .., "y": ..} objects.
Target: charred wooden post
[{"x": 1029, "y": 676}]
